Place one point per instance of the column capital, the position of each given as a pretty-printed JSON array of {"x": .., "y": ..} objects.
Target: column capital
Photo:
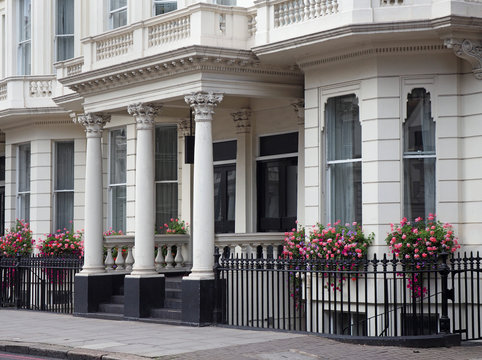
[
  {"x": 470, "y": 50},
  {"x": 144, "y": 114},
  {"x": 299, "y": 108},
  {"x": 203, "y": 104},
  {"x": 93, "y": 123},
  {"x": 242, "y": 121}
]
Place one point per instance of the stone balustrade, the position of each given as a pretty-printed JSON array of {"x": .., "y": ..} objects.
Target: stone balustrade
[
  {"x": 295, "y": 11},
  {"x": 175, "y": 252},
  {"x": 265, "y": 245},
  {"x": 173, "y": 256},
  {"x": 27, "y": 92}
]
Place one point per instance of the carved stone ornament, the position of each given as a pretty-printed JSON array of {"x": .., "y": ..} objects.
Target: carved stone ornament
[
  {"x": 93, "y": 123},
  {"x": 469, "y": 50},
  {"x": 203, "y": 104},
  {"x": 184, "y": 127},
  {"x": 242, "y": 121},
  {"x": 144, "y": 114},
  {"x": 299, "y": 108}
]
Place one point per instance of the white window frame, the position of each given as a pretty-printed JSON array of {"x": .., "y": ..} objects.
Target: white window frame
[
  {"x": 56, "y": 191},
  {"x": 22, "y": 68},
  {"x": 418, "y": 154},
  {"x": 111, "y": 185},
  {"x": 27, "y": 192},
  {"x": 156, "y": 182},
  {"x": 113, "y": 12},
  {"x": 59, "y": 36},
  {"x": 155, "y": 2},
  {"x": 329, "y": 163}
]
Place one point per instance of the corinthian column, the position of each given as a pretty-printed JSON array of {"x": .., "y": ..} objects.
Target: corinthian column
[
  {"x": 145, "y": 189},
  {"x": 93, "y": 236},
  {"x": 203, "y": 187}
]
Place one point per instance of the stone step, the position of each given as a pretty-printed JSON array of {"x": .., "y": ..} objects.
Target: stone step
[
  {"x": 173, "y": 283},
  {"x": 172, "y": 303},
  {"x": 166, "y": 314},
  {"x": 117, "y": 299},
  {"x": 105, "y": 316},
  {"x": 173, "y": 294},
  {"x": 111, "y": 308}
]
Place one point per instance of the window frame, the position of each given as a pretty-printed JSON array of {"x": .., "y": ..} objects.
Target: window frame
[
  {"x": 176, "y": 181},
  {"x": 24, "y": 65},
  {"x": 112, "y": 12},
  {"x": 58, "y": 36},
  {"x": 27, "y": 192},
  {"x": 420, "y": 154},
  {"x": 331, "y": 164},
  {"x": 155, "y": 2},
  {"x": 281, "y": 158},
  {"x": 111, "y": 186},
  {"x": 56, "y": 191}
]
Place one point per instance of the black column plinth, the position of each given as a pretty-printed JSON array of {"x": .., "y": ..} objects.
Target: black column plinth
[
  {"x": 93, "y": 289},
  {"x": 198, "y": 302},
  {"x": 141, "y": 294}
]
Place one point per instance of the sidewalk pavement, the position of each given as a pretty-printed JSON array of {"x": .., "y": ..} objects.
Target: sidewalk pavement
[{"x": 69, "y": 337}]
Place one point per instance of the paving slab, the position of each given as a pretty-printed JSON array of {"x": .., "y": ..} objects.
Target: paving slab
[{"x": 69, "y": 337}]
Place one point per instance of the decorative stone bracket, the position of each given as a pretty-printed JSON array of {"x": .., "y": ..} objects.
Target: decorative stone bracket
[{"x": 470, "y": 50}]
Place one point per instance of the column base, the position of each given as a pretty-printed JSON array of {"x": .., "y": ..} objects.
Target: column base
[
  {"x": 93, "y": 289},
  {"x": 141, "y": 294},
  {"x": 202, "y": 301}
]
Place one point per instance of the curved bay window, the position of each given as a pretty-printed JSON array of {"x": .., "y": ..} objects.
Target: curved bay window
[
  {"x": 419, "y": 156},
  {"x": 343, "y": 139},
  {"x": 277, "y": 178}
]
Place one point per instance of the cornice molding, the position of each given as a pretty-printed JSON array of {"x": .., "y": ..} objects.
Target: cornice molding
[
  {"x": 444, "y": 24},
  {"x": 181, "y": 61}
]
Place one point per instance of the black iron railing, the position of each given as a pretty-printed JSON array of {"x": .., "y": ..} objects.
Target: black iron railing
[
  {"x": 38, "y": 283},
  {"x": 384, "y": 297}
]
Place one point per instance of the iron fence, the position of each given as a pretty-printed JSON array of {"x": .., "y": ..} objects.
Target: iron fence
[
  {"x": 384, "y": 297},
  {"x": 38, "y": 283}
]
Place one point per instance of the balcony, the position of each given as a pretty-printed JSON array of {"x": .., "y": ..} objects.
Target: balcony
[{"x": 20, "y": 95}]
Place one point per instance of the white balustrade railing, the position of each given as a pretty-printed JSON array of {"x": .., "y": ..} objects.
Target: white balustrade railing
[
  {"x": 114, "y": 46},
  {"x": 391, "y": 2},
  {"x": 296, "y": 11},
  {"x": 248, "y": 244},
  {"x": 171, "y": 252},
  {"x": 252, "y": 22},
  {"x": 3, "y": 91},
  {"x": 169, "y": 31}
]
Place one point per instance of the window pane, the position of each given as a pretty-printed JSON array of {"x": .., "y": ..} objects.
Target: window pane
[
  {"x": 164, "y": 7},
  {"x": 224, "y": 150},
  {"x": 230, "y": 194},
  {"x": 24, "y": 21},
  {"x": 218, "y": 196},
  {"x": 166, "y": 202},
  {"x": 272, "y": 198},
  {"x": 118, "y": 156},
  {"x": 118, "y": 201},
  {"x": 64, "y": 166},
  {"x": 419, "y": 127},
  {"x": 64, "y": 209},
  {"x": 24, "y": 168},
  {"x": 65, "y": 47},
  {"x": 119, "y": 19},
  {"x": 115, "y": 4},
  {"x": 166, "y": 153},
  {"x": 24, "y": 207},
  {"x": 278, "y": 144},
  {"x": 419, "y": 187},
  {"x": 291, "y": 196},
  {"x": 24, "y": 59},
  {"x": 343, "y": 128},
  {"x": 346, "y": 192},
  {"x": 65, "y": 17}
]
